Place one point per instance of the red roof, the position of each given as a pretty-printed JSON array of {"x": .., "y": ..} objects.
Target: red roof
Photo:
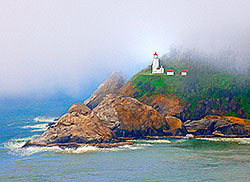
[
  {"x": 155, "y": 54},
  {"x": 170, "y": 70},
  {"x": 158, "y": 68},
  {"x": 184, "y": 70}
]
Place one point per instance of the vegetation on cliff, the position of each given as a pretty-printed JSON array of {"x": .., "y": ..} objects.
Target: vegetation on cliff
[{"x": 207, "y": 89}]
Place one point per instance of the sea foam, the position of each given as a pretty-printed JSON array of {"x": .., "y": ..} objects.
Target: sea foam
[
  {"x": 15, "y": 147},
  {"x": 46, "y": 119},
  {"x": 163, "y": 141},
  {"x": 43, "y": 123},
  {"x": 36, "y": 127}
]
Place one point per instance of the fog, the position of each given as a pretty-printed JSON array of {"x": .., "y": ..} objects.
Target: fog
[{"x": 71, "y": 46}]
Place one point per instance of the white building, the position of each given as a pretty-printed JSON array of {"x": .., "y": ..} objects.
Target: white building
[
  {"x": 156, "y": 67},
  {"x": 184, "y": 72},
  {"x": 170, "y": 72}
]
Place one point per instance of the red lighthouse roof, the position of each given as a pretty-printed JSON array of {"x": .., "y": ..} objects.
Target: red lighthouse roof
[{"x": 155, "y": 54}]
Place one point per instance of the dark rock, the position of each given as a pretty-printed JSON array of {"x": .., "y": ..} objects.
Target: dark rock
[
  {"x": 51, "y": 124},
  {"x": 218, "y": 126}
]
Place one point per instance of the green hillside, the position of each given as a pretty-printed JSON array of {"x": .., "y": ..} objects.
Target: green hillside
[{"x": 206, "y": 87}]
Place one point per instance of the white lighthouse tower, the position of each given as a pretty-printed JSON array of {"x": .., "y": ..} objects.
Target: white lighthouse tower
[{"x": 156, "y": 67}]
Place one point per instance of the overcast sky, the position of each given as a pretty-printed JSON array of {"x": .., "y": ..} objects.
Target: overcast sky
[{"x": 50, "y": 45}]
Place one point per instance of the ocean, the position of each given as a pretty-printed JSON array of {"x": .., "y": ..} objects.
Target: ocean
[{"x": 147, "y": 160}]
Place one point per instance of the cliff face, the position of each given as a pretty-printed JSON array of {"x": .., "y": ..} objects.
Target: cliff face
[
  {"x": 128, "y": 117},
  {"x": 226, "y": 126},
  {"x": 114, "y": 82},
  {"x": 78, "y": 126},
  {"x": 166, "y": 104}
]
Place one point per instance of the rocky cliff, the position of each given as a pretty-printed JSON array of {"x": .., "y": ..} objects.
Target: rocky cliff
[
  {"x": 148, "y": 106},
  {"x": 114, "y": 82},
  {"x": 78, "y": 126},
  {"x": 156, "y": 106},
  {"x": 115, "y": 117},
  {"x": 127, "y": 117},
  {"x": 225, "y": 126}
]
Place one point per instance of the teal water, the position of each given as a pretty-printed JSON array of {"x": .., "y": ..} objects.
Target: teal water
[{"x": 154, "y": 160}]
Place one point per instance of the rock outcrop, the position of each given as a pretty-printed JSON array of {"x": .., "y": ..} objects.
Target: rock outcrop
[
  {"x": 114, "y": 82},
  {"x": 225, "y": 126},
  {"x": 128, "y": 117},
  {"x": 177, "y": 128},
  {"x": 78, "y": 126}
]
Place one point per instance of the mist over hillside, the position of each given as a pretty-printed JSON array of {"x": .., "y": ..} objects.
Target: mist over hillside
[{"x": 230, "y": 60}]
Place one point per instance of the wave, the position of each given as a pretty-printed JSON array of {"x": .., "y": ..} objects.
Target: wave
[
  {"x": 36, "y": 127},
  {"x": 46, "y": 119},
  {"x": 182, "y": 140},
  {"x": 234, "y": 140},
  {"x": 128, "y": 147},
  {"x": 25, "y": 139},
  {"x": 14, "y": 147},
  {"x": 90, "y": 149},
  {"x": 163, "y": 141}
]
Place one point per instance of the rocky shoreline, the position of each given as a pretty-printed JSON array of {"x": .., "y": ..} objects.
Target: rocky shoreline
[{"x": 110, "y": 119}]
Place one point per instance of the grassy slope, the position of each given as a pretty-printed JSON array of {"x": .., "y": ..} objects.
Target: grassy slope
[{"x": 203, "y": 82}]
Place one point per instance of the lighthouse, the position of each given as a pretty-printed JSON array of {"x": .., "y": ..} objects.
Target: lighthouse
[{"x": 156, "y": 67}]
